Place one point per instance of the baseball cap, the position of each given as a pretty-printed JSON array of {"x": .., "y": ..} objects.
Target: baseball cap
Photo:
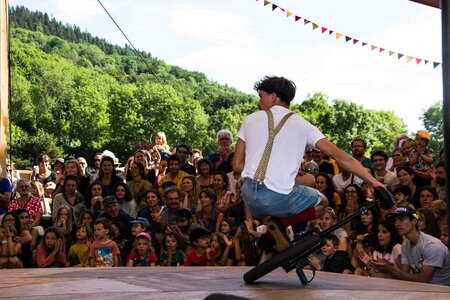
[
  {"x": 403, "y": 211},
  {"x": 109, "y": 200},
  {"x": 50, "y": 185},
  {"x": 144, "y": 235},
  {"x": 141, "y": 220},
  {"x": 423, "y": 134}
]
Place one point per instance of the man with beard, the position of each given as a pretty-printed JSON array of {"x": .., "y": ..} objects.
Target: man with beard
[
  {"x": 440, "y": 181},
  {"x": 184, "y": 226},
  {"x": 113, "y": 213},
  {"x": 174, "y": 175},
  {"x": 359, "y": 147},
  {"x": 424, "y": 257}
]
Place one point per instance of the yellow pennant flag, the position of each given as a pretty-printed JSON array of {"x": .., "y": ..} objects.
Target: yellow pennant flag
[
  {"x": 266, "y": 2},
  {"x": 409, "y": 58},
  {"x": 373, "y": 47},
  {"x": 288, "y": 14},
  {"x": 314, "y": 26},
  {"x": 338, "y": 35}
]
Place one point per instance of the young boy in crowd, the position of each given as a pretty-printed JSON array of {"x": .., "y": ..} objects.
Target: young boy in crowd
[
  {"x": 103, "y": 251},
  {"x": 336, "y": 261},
  {"x": 202, "y": 254}
]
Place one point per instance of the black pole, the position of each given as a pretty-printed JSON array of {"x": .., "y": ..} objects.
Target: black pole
[{"x": 445, "y": 10}]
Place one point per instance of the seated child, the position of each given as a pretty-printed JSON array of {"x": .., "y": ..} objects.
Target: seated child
[
  {"x": 79, "y": 251},
  {"x": 51, "y": 251},
  {"x": 336, "y": 261},
  {"x": 9, "y": 249},
  {"x": 103, "y": 251},
  {"x": 142, "y": 254},
  {"x": 171, "y": 252},
  {"x": 201, "y": 254}
]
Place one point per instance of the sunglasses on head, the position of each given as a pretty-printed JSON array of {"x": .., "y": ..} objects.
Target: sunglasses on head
[{"x": 310, "y": 169}]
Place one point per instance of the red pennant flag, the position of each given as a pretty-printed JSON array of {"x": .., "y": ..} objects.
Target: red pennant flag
[
  {"x": 418, "y": 60},
  {"x": 347, "y": 38},
  {"x": 382, "y": 49},
  {"x": 435, "y": 64},
  {"x": 297, "y": 18},
  {"x": 274, "y": 6},
  {"x": 324, "y": 29},
  {"x": 355, "y": 41},
  {"x": 399, "y": 55}
]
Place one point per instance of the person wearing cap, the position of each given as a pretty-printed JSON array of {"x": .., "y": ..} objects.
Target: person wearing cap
[
  {"x": 184, "y": 152},
  {"x": 113, "y": 213},
  {"x": 422, "y": 158},
  {"x": 269, "y": 163},
  {"x": 142, "y": 254},
  {"x": 424, "y": 257},
  {"x": 202, "y": 254}
]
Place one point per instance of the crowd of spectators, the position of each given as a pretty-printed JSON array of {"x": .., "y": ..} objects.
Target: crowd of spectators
[{"x": 173, "y": 207}]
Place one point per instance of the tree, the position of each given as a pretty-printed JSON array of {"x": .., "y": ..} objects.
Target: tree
[{"x": 433, "y": 121}]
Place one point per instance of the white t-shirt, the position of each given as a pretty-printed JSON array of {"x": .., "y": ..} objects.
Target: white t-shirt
[{"x": 288, "y": 147}]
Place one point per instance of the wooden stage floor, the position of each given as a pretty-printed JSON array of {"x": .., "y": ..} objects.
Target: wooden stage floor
[{"x": 199, "y": 282}]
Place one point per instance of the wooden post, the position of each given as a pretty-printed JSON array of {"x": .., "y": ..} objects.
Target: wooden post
[{"x": 4, "y": 81}]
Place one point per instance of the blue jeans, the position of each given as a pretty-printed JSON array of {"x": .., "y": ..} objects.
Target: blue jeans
[{"x": 263, "y": 202}]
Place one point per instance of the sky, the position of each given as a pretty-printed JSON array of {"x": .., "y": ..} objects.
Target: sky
[{"x": 237, "y": 42}]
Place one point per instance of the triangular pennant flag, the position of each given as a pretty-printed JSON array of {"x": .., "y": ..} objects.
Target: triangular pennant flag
[
  {"x": 306, "y": 21},
  {"x": 409, "y": 58},
  {"x": 347, "y": 38},
  {"x": 330, "y": 32},
  {"x": 400, "y": 55},
  {"x": 373, "y": 47},
  {"x": 425, "y": 61},
  {"x": 314, "y": 26},
  {"x": 288, "y": 14},
  {"x": 435, "y": 64},
  {"x": 324, "y": 29},
  {"x": 355, "y": 41},
  {"x": 338, "y": 35},
  {"x": 274, "y": 6},
  {"x": 363, "y": 44},
  {"x": 418, "y": 60},
  {"x": 382, "y": 49},
  {"x": 266, "y": 2},
  {"x": 297, "y": 18},
  {"x": 391, "y": 53}
]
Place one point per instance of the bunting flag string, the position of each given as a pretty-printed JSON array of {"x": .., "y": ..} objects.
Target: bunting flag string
[{"x": 338, "y": 35}]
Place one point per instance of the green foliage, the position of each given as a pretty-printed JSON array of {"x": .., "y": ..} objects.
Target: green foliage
[
  {"x": 342, "y": 121},
  {"x": 73, "y": 93},
  {"x": 433, "y": 120}
]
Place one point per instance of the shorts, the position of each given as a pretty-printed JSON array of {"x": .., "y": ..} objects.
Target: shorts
[{"x": 263, "y": 202}]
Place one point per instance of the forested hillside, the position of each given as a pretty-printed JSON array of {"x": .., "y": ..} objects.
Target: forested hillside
[{"x": 75, "y": 93}]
